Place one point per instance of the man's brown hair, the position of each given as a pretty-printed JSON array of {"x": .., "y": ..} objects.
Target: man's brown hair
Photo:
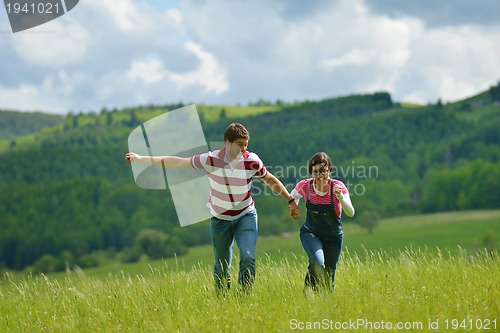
[{"x": 236, "y": 131}]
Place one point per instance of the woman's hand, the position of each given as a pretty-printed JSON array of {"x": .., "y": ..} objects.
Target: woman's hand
[{"x": 338, "y": 191}]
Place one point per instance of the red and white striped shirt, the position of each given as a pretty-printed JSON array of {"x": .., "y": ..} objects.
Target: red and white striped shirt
[{"x": 230, "y": 187}]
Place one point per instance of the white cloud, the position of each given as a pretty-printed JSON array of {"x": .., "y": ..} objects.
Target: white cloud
[
  {"x": 53, "y": 45},
  {"x": 454, "y": 63},
  {"x": 175, "y": 16},
  {"x": 125, "y": 14},
  {"x": 47, "y": 96},
  {"x": 24, "y": 97},
  {"x": 353, "y": 57},
  {"x": 208, "y": 74},
  {"x": 343, "y": 48},
  {"x": 148, "y": 71},
  {"x": 307, "y": 58}
]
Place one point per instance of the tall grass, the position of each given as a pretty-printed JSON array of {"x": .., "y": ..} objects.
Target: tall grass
[{"x": 376, "y": 291}]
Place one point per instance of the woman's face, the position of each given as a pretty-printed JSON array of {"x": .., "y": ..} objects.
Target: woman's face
[{"x": 320, "y": 172}]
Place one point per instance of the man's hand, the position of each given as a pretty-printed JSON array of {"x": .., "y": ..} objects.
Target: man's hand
[
  {"x": 294, "y": 210},
  {"x": 132, "y": 157}
]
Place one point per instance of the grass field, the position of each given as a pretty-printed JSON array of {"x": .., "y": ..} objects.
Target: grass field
[
  {"x": 420, "y": 273},
  {"x": 443, "y": 231}
]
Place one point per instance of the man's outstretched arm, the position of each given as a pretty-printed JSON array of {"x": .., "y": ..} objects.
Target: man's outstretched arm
[{"x": 167, "y": 161}]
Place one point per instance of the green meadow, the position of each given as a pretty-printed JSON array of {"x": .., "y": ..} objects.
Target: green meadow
[
  {"x": 444, "y": 233},
  {"x": 431, "y": 273}
]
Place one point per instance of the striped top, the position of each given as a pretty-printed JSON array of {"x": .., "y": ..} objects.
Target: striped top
[
  {"x": 315, "y": 198},
  {"x": 230, "y": 187}
]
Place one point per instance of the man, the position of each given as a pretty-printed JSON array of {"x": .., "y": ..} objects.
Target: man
[{"x": 234, "y": 217}]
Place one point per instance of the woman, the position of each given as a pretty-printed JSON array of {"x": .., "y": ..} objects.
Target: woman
[{"x": 321, "y": 234}]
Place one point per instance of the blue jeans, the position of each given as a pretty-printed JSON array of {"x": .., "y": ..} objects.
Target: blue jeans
[
  {"x": 223, "y": 234},
  {"x": 323, "y": 248}
]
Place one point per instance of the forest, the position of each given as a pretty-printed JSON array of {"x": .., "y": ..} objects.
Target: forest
[{"x": 67, "y": 195}]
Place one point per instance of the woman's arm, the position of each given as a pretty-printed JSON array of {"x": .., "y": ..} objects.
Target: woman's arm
[
  {"x": 293, "y": 207},
  {"x": 296, "y": 195},
  {"x": 346, "y": 203},
  {"x": 345, "y": 200}
]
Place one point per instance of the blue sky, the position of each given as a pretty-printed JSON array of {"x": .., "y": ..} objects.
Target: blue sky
[{"x": 118, "y": 53}]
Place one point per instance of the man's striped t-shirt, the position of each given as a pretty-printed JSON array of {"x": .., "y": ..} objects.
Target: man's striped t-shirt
[{"x": 230, "y": 187}]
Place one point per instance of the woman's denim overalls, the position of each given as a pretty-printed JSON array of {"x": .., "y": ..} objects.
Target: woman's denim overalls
[{"x": 321, "y": 236}]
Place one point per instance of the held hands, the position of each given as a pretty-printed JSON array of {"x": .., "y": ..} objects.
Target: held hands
[{"x": 294, "y": 210}]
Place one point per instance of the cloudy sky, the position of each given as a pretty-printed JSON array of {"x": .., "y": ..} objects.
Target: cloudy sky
[{"x": 116, "y": 53}]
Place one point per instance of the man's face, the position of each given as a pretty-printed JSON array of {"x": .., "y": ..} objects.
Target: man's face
[{"x": 236, "y": 148}]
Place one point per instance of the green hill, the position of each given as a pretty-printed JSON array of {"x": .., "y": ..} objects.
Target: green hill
[
  {"x": 14, "y": 123},
  {"x": 66, "y": 192},
  {"x": 17, "y": 124}
]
